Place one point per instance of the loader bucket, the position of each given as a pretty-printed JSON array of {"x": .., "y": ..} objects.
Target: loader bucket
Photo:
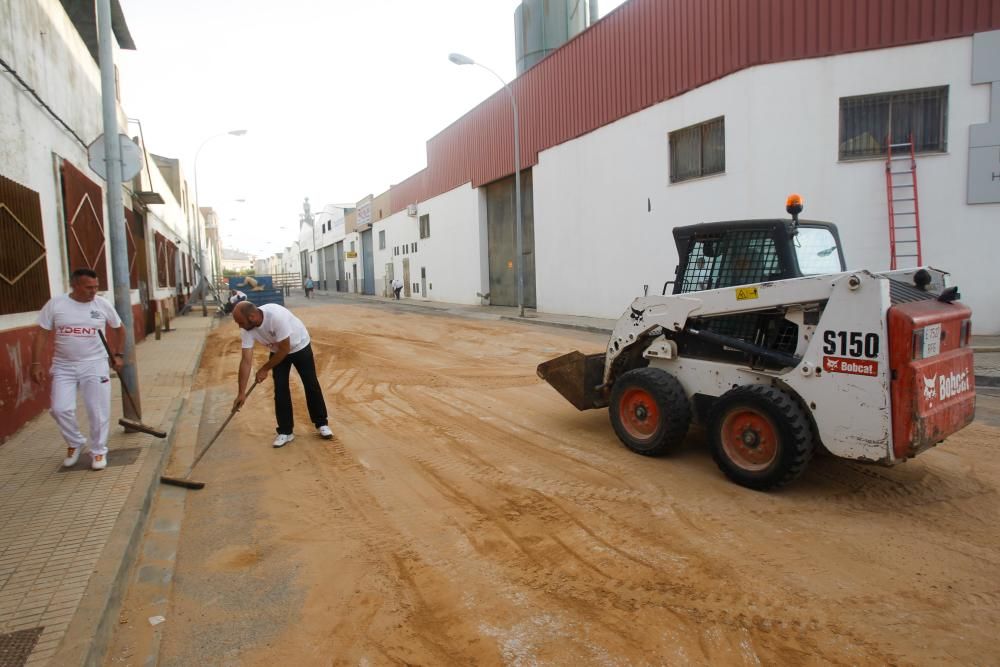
[{"x": 576, "y": 376}]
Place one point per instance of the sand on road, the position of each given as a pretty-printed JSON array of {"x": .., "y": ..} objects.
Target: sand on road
[{"x": 466, "y": 514}]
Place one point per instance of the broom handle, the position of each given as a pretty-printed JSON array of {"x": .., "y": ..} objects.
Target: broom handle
[
  {"x": 125, "y": 390},
  {"x": 217, "y": 433}
]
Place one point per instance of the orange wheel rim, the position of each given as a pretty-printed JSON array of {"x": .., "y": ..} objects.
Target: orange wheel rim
[
  {"x": 640, "y": 415},
  {"x": 749, "y": 439}
]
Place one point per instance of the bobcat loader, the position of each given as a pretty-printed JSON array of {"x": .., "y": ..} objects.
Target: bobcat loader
[{"x": 776, "y": 349}]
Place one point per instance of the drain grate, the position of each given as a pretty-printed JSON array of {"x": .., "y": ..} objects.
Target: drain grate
[{"x": 15, "y": 647}]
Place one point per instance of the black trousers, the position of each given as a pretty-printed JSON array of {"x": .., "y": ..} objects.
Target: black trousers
[{"x": 306, "y": 366}]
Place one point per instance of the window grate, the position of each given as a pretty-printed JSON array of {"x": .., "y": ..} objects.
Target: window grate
[
  {"x": 733, "y": 258},
  {"x": 867, "y": 121},
  {"x": 698, "y": 150}
]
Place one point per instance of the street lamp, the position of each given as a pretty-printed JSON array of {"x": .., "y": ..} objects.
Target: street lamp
[
  {"x": 460, "y": 59},
  {"x": 197, "y": 212}
]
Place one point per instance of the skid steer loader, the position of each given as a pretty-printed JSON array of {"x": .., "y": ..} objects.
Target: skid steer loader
[{"x": 776, "y": 349}]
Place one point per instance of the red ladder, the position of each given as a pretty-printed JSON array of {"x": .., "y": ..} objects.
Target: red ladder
[{"x": 904, "y": 234}]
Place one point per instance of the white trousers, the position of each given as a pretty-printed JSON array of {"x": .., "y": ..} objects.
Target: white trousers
[{"x": 93, "y": 379}]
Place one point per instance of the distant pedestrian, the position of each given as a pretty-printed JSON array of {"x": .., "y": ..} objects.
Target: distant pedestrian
[
  {"x": 309, "y": 286},
  {"x": 397, "y": 287},
  {"x": 80, "y": 362},
  {"x": 286, "y": 337}
]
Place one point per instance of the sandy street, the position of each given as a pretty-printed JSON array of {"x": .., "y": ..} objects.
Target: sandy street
[{"x": 466, "y": 514}]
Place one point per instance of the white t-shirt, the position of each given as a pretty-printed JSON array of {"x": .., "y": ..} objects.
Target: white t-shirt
[
  {"x": 396, "y": 283},
  {"x": 75, "y": 325},
  {"x": 239, "y": 296},
  {"x": 278, "y": 324}
]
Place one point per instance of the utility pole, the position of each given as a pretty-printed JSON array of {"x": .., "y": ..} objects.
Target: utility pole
[{"x": 116, "y": 209}]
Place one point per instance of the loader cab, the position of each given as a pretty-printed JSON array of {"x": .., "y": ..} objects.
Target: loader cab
[{"x": 724, "y": 254}]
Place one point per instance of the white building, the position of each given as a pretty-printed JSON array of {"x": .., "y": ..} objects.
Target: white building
[{"x": 722, "y": 126}]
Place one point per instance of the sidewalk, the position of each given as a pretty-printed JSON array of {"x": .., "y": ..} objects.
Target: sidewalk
[
  {"x": 67, "y": 536},
  {"x": 986, "y": 348}
]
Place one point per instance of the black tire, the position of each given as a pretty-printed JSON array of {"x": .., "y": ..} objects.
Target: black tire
[
  {"x": 649, "y": 411},
  {"x": 761, "y": 436}
]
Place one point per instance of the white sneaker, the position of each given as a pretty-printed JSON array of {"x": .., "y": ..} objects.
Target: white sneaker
[
  {"x": 282, "y": 440},
  {"x": 72, "y": 456},
  {"x": 100, "y": 462},
  {"x": 325, "y": 432}
]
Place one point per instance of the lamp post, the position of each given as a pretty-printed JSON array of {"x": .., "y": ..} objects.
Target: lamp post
[
  {"x": 459, "y": 59},
  {"x": 197, "y": 206}
]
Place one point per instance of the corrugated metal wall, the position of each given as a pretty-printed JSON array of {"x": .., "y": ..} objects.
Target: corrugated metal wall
[{"x": 648, "y": 51}]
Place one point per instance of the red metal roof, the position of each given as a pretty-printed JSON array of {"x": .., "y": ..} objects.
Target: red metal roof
[{"x": 648, "y": 51}]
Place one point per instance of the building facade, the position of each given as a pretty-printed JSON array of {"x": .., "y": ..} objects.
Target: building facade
[{"x": 668, "y": 113}]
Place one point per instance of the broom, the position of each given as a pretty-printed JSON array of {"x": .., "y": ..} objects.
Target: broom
[
  {"x": 185, "y": 481},
  {"x": 127, "y": 423}
]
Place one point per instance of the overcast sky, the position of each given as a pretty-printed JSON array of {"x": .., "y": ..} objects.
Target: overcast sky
[{"x": 339, "y": 98}]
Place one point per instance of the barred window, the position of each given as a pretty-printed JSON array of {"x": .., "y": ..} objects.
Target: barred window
[
  {"x": 867, "y": 121},
  {"x": 698, "y": 150},
  {"x": 381, "y": 239},
  {"x": 425, "y": 226}
]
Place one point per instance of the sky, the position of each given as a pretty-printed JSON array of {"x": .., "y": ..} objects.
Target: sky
[{"x": 338, "y": 98}]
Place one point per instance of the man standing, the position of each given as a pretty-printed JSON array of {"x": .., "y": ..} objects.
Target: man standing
[
  {"x": 397, "y": 287},
  {"x": 80, "y": 361},
  {"x": 309, "y": 286},
  {"x": 286, "y": 337}
]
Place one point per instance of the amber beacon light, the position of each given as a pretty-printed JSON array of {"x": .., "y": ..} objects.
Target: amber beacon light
[{"x": 794, "y": 206}]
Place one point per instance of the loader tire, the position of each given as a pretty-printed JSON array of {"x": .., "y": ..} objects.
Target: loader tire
[
  {"x": 761, "y": 436},
  {"x": 649, "y": 411}
]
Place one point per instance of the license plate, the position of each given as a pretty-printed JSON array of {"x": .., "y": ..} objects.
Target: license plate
[{"x": 932, "y": 340}]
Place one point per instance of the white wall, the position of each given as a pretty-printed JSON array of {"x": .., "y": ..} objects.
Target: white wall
[
  {"x": 451, "y": 254},
  {"x": 596, "y": 244},
  {"x": 38, "y": 40}
]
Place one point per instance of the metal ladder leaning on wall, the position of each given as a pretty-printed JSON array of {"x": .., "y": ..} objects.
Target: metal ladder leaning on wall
[{"x": 904, "y": 210}]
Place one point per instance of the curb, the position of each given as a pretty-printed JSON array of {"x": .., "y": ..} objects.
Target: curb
[
  {"x": 985, "y": 349},
  {"x": 988, "y": 381},
  {"x": 557, "y": 325}
]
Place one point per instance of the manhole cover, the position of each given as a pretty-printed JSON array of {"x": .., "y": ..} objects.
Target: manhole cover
[{"x": 15, "y": 647}]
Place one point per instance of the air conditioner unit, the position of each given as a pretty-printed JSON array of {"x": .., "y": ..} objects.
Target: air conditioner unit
[{"x": 411, "y": 210}]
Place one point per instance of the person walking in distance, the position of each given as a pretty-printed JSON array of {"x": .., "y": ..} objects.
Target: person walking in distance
[
  {"x": 286, "y": 337},
  {"x": 397, "y": 287},
  {"x": 309, "y": 286},
  {"x": 80, "y": 362}
]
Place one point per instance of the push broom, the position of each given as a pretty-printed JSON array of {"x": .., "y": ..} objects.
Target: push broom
[
  {"x": 186, "y": 480},
  {"x": 127, "y": 423}
]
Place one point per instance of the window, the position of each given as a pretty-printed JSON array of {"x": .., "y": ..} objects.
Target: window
[
  {"x": 381, "y": 240},
  {"x": 413, "y": 247},
  {"x": 425, "y": 226},
  {"x": 816, "y": 251},
  {"x": 352, "y": 246},
  {"x": 866, "y": 121},
  {"x": 698, "y": 150}
]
